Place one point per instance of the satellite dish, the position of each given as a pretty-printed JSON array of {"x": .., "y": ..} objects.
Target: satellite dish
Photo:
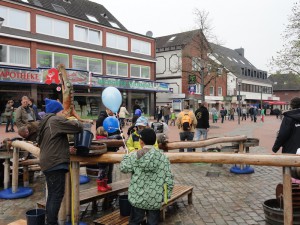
[{"x": 149, "y": 33}]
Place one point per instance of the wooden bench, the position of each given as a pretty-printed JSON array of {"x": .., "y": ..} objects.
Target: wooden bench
[
  {"x": 18, "y": 222},
  {"x": 92, "y": 194},
  {"x": 114, "y": 218}
]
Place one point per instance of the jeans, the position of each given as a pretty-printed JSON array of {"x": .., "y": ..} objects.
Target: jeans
[
  {"x": 186, "y": 135},
  {"x": 166, "y": 118},
  {"x": 11, "y": 122},
  {"x": 198, "y": 133},
  {"x": 137, "y": 216},
  {"x": 56, "y": 189}
]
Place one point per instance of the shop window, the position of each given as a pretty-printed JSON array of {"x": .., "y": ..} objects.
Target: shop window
[
  {"x": 87, "y": 64},
  {"x": 116, "y": 41},
  {"x": 51, "y": 59},
  {"x": 79, "y": 63},
  {"x": 14, "y": 18},
  {"x": 140, "y": 71},
  {"x": 85, "y": 34},
  {"x": 116, "y": 68},
  {"x": 52, "y": 27},
  {"x": 141, "y": 47},
  {"x": 12, "y": 55}
]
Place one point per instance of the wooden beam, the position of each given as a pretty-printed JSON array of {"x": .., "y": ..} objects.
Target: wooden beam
[{"x": 287, "y": 196}]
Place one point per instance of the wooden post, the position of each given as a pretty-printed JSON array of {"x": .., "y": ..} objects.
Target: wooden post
[
  {"x": 6, "y": 173},
  {"x": 287, "y": 196},
  {"x": 75, "y": 190},
  {"x": 15, "y": 172},
  {"x": 25, "y": 176}
]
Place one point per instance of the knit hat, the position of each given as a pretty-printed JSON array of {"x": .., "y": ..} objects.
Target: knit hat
[
  {"x": 141, "y": 121},
  {"x": 53, "y": 106},
  {"x": 148, "y": 136}
]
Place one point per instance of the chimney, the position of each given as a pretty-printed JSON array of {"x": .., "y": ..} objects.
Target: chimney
[{"x": 240, "y": 51}]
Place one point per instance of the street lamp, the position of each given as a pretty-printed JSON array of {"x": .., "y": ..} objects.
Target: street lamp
[
  {"x": 239, "y": 83},
  {"x": 1, "y": 22}
]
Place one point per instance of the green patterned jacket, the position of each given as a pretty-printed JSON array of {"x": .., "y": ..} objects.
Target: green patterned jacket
[{"x": 150, "y": 170}]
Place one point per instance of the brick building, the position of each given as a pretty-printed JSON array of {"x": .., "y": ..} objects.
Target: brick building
[{"x": 98, "y": 50}]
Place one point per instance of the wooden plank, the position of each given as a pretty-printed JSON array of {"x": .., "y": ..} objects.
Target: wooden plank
[
  {"x": 19, "y": 222},
  {"x": 113, "y": 218},
  {"x": 92, "y": 194}
]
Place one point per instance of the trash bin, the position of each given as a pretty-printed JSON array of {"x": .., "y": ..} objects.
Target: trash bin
[
  {"x": 36, "y": 217},
  {"x": 124, "y": 204},
  {"x": 83, "y": 142}
]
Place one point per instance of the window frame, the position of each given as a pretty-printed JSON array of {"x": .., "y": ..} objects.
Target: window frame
[
  {"x": 8, "y": 56},
  {"x": 88, "y": 59},
  {"x": 7, "y": 19},
  {"x": 140, "y": 71},
  {"x": 88, "y": 35},
  {"x": 117, "y": 44},
  {"x": 220, "y": 92},
  {"x": 139, "y": 42},
  {"x": 52, "y": 58},
  {"x": 117, "y": 68},
  {"x": 53, "y": 23}
]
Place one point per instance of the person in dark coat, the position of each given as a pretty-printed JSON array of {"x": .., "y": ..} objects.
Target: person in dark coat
[
  {"x": 136, "y": 106},
  {"x": 289, "y": 132},
  {"x": 202, "y": 127}
]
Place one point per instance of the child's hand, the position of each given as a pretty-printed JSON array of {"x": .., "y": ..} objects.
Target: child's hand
[{"x": 72, "y": 150}]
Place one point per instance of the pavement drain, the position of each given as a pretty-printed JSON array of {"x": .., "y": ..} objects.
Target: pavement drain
[{"x": 212, "y": 174}]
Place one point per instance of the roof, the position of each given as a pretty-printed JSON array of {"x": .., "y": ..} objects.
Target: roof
[
  {"x": 77, "y": 9},
  {"x": 235, "y": 62},
  {"x": 285, "y": 82},
  {"x": 177, "y": 39}
]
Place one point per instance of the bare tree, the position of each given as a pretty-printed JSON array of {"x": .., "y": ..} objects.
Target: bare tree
[
  {"x": 287, "y": 59},
  {"x": 198, "y": 53}
]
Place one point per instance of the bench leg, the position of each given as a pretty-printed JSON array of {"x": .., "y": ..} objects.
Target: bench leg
[
  {"x": 163, "y": 214},
  {"x": 190, "y": 198},
  {"x": 94, "y": 207}
]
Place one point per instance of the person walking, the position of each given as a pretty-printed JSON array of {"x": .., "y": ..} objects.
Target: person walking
[
  {"x": 222, "y": 113},
  {"x": 55, "y": 154},
  {"x": 122, "y": 115},
  {"x": 35, "y": 109},
  {"x": 9, "y": 110},
  {"x": 186, "y": 122},
  {"x": 202, "y": 127},
  {"x": 167, "y": 113},
  {"x": 151, "y": 178},
  {"x": 244, "y": 113},
  {"x": 136, "y": 106},
  {"x": 289, "y": 132},
  {"x": 214, "y": 112}
]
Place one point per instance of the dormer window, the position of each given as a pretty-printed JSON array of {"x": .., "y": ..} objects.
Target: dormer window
[
  {"x": 67, "y": 1},
  {"x": 172, "y": 38},
  {"x": 104, "y": 15},
  {"x": 275, "y": 82},
  {"x": 26, "y": 1},
  {"x": 59, "y": 9},
  {"x": 114, "y": 24},
  {"x": 92, "y": 18}
]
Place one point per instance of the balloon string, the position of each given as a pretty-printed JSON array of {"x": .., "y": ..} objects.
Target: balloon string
[{"x": 121, "y": 132}]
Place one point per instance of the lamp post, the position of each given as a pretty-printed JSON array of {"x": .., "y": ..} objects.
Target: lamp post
[
  {"x": 1, "y": 22},
  {"x": 239, "y": 83}
]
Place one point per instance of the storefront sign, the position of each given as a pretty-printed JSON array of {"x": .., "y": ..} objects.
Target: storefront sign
[{"x": 22, "y": 76}]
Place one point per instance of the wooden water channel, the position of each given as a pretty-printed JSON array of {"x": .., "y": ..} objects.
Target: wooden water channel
[{"x": 279, "y": 160}]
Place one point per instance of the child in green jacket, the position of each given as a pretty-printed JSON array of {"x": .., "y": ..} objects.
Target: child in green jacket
[{"x": 151, "y": 179}]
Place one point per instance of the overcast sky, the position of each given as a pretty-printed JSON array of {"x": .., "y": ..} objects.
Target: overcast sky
[{"x": 255, "y": 25}]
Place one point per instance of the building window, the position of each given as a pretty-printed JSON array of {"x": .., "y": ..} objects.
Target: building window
[
  {"x": 89, "y": 64},
  {"x": 196, "y": 64},
  {"x": 85, "y": 34},
  {"x": 51, "y": 59},
  {"x": 141, "y": 47},
  {"x": 114, "y": 24},
  {"x": 14, "y": 18},
  {"x": 116, "y": 41},
  {"x": 140, "y": 71},
  {"x": 219, "y": 91},
  {"x": 92, "y": 18},
  {"x": 59, "y": 9},
  {"x": 198, "y": 89},
  {"x": 116, "y": 68},
  {"x": 52, "y": 27},
  {"x": 12, "y": 55},
  {"x": 211, "y": 91}
]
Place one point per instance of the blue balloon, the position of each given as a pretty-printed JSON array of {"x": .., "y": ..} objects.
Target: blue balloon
[
  {"x": 112, "y": 98},
  {"x": 111, "y": 124}
]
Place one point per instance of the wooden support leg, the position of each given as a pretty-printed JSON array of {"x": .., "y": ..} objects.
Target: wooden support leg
[
  {"x": 25, "y": 176},
  {"x": 287, "y": 196},
  {"x": 163, "y": 214},
  {"x": 15, "y": 173},
  {"x": 6, "y": 173},
  {"x": 75, "y": 189},
  {"x": 190, "y": 198},
  {"x": 68, "y": 197}
]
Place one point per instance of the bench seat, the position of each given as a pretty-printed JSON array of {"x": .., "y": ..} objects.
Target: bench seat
[{"x": 18, "y": 222}]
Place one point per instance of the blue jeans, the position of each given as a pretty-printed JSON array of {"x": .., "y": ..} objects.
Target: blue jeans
[
  {"x": 186, "y": 135},
  {"x": 56, "y": 190},
  {"x": 9, "y": 122},
  {"x": 198, "y": 133},
  {"x": 137, "y": 216},
  {"x": 166, "y": 118}
]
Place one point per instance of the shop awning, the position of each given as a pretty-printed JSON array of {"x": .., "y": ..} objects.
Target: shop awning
[{"x": 276, "y": 103}]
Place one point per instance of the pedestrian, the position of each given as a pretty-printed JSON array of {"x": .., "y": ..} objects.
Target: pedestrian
[
  {"x": 9, "y": 110},
  {"x": 35, "y": 109},
  {"x": 262, "y": 113},
  {"x": 255, "y": 112},
  {"x": 160, "y": 114},
  {"x": 151, "y": 178},
  {"x": 167, "y": 113},
  {"x": 251, "y": 112},
  {"x": 202, "y": 127},
  {"x": 156, "y": 113},
  {"x": 55, "y": 154},
  {"x": 223, "y": 114},
  {"x": 29, "y": 132},
  {"x": 214, "y": 112},
  {"x": 133, "y": 128},
  {"x": 24, "y": 114},
  {"x": 136, "y": 106},
  {"x": 289, "y": 132},
  {"x": 173, "y": 118},
  {"x": 133, "y": 143},
  {"x": 244, "y": 113},
  {"x": 186, "y": 122},
  {"x": 232, "y": 111},
  {"x": 122, "y": 115}
]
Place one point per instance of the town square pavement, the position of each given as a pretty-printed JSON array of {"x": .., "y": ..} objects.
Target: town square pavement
[{"x": 219, "y": 197}]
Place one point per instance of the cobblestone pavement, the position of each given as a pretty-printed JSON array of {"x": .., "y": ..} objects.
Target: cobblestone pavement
[{"x": 222, "y": 198}]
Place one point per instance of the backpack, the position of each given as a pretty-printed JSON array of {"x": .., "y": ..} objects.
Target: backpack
[
  {"x": 157, "y": 127},
  {"x": 186, "y": 121}
]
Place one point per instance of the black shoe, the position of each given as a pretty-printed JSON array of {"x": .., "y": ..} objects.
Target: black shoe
[
  {"x": 12, "y": 130},
  {"x": 7, "y": 131}
]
